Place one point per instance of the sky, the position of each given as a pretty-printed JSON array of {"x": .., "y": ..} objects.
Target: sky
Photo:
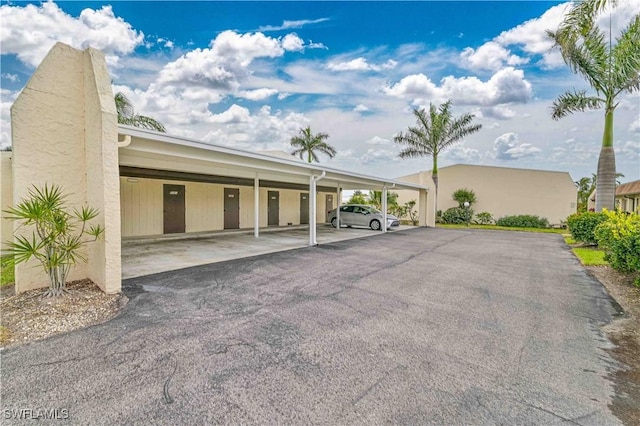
[{"x": 251, "y": 74}]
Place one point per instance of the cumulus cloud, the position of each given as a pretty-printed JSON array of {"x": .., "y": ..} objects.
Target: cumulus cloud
[
  {"x": 292, "y": 43},
  {"x": 288, "y": 25},
  {"x": 634, "y": 127},
  {"x": 377, "y": 140},
  {"x": 264, "y": 130},
  {"x": 490, "y": 56},
  {"x": 506, "y": 86},
  {"x": 508, "y": 147},
  {"x": 361, "y": 64},
  {"x": 462, "y": 154},
  {"x": 257, "y": 94},
  {"x": 31, "y": 31},
  {"x": 373, "y": 156},
  {"x": 499, "y": 112},
  {"x": 361, "y": 108}
]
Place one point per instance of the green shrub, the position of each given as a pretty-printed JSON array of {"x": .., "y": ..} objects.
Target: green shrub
[
  {"x": 484, "y": 218},
  {"x": 619, "y": 237},
  {"x": 582, "y": 225},
  {"x": 464, "y": 195},
  {"x": 457, "y": 215},
  {"x": 523, "y": 221}
]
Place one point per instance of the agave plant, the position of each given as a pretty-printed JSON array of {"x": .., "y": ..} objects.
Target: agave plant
[{"x": 54, "y": 236}]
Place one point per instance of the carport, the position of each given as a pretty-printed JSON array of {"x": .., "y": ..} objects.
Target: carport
[{"x": 155, "y": 166}]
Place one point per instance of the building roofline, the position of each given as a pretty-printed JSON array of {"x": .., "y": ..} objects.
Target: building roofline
[{"x": 192, "y": 143}]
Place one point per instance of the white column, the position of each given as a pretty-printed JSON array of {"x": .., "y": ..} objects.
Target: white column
[
  {"x": 312, "y": 210},
  {"x": 338, "y": 203},
  {"x": 256, "y": 206},
  {"x": 384, "y": 209}
]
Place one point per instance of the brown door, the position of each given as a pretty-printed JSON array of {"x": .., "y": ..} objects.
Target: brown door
[
  {"x": 304, "y": 209},
  {"x": 273, "y": 206},
  {"x": 231, "y": 208},
  {"x": 173, "y": 209},
  {"x": 329, "y": 205}
]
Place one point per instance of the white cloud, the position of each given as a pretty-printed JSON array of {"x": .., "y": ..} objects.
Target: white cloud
[
  {"x": 257, "y": 94},
  {"x": 462, "y": 154},
  {"x": 630, "y": 149},
  {"x": 288, "y": 25},
  {"x": 292, "y": 43},
  {"x": 508, "y": 147},
  {"x": 499, "y": 112},
  {"x": 361, "y": 108},
  {"x": 312, "y": 45},
  {"x": 505, "y": 86},
  {"x": 373, "y": 156},
  {"x": 490, "y": 56},
  {"x": 377, "y": 140},
  {"x": 361, "y": 64},
  {"x": 31, "y": 31},
  {"x": 634, "y": 127},
  {"x": 11, "y": 77},
  {"x": 265, "y": 130}
]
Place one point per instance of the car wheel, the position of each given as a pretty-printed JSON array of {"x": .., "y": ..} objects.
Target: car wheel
[
  {"x": 334, "y": 222},
  {"x": 375, "y": 225}
]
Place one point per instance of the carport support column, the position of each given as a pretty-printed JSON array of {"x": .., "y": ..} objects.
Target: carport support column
[
  {"x": 313, "y": 220},
  {"x": 256, "y": 206},
  {"x": 338, "y": 203},
  {"x": 384, "y": 208}
]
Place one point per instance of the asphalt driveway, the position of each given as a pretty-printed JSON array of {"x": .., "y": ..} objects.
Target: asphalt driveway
[{"x": 426, "y": 326}]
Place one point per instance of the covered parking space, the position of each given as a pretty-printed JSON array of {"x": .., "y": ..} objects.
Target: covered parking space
[
  {"x": 174, "y": 188},
  {"x": 146, "y": 256}
]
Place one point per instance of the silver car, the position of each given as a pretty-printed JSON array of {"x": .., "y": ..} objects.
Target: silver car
[{"x": 361, "y": 215}]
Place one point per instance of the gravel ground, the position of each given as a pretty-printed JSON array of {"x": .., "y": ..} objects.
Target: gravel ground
[{"x": 29, "y": 316}]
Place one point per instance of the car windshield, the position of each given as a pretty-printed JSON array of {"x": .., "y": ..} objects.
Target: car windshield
[{"x": 371, "y": 209}]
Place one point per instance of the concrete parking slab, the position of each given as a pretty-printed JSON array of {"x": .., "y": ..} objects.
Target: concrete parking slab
[
  {"x": 428, "y": 326},
  {"x": 144, "y": 256}
]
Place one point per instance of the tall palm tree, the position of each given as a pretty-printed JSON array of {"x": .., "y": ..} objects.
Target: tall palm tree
[
  {"x": 609, "y": 68},
  {"x": 308, "y": 143},
  {"x": 128, "y": 116},
  {"x": 435, "y": 131}
]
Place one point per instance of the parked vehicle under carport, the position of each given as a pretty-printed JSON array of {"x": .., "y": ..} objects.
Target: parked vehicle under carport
[{"x": 361, "y": 215}]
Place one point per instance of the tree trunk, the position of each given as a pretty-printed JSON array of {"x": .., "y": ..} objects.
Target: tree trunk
[
  {"x": 606, "y": 183},
  {"x": 434, "y": 177},
  {"x": 606, "y": 180}
]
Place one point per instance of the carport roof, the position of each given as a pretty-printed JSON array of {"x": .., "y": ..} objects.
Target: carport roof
[{"x": 151, "y": 143}]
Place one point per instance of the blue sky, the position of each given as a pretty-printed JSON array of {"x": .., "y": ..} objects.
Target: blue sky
[{"x": 251, "y": 74}]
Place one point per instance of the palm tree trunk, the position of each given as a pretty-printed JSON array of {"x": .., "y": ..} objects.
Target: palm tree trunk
[
  {"x": 434, "y": 177},
  {"x": 606, "y": 181}
]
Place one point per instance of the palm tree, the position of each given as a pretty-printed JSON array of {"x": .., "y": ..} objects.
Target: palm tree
[
  {"x": 128, "y": 116},
  {"x": 309, "y": 143},
  {"x": 609, "y": 68},
  {"x": 435, "y": 131}
]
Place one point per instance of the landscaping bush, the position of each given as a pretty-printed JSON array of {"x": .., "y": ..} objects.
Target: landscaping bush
[
  {"x": 619, "y": 237},
  {"x": 457, "y": 215},
  {"x": 523, "y": 221},
  {"x": 484, "y": 218},
  {"x": 464, "y": 195},
  {"x": 582, "y": 225}
]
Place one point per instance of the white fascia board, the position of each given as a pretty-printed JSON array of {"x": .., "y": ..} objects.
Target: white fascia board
[{"x": 256, "y": 161}]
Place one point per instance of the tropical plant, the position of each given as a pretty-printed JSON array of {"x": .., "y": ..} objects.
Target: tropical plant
[
  {"x": 484, "y": 218},
  {"x": 457, "y": 215},
  {"x": 585, "y": 187},
  {"x": 308, "y": 143},
  {"x": 582, "y": 225},
  {"x": 619, "y": 237},
  {"x": 464, "y": 195},
  {"x": 128, "y": 116},
  {"x": 357, "y": 198},
  {"x": 523, "y": 221},
  {"x": 609, "y": 68},
  {"x": 57, "y": 235},
  {"x": 375, "y": 199},
  {"x": 408, "y": 210},
  {"x": 435, "y": 130}
]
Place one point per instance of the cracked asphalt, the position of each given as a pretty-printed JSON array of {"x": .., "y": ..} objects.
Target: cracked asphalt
[{"x": 427, "y": 326}]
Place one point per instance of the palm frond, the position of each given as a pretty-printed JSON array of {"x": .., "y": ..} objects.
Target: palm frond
[
  {"x": 625, "y": 56},
  {"x": 570, "y": 102}
]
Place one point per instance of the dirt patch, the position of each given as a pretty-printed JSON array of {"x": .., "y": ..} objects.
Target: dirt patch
[
  {"x": 625, "y": 335},
  {"x": 29, "y": 316}
]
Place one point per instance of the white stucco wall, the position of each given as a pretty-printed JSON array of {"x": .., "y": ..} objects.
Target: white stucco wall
[
  {"x": 64, "y": 132},
  {"x": 6, "y": 198},
  {"x": 504, "y": 191}
]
